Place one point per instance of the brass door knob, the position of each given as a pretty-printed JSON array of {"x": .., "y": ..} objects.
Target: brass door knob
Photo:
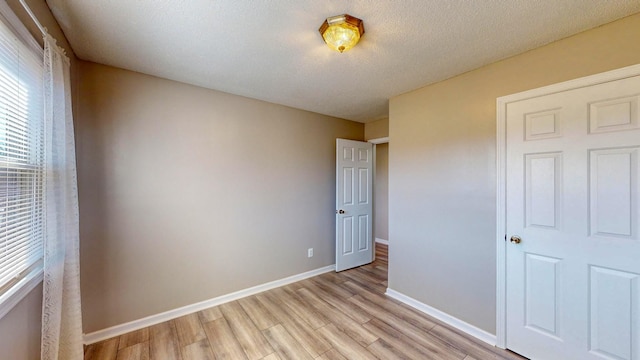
[{"x": 516, "y": 239}]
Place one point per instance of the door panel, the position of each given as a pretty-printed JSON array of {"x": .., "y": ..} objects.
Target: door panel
[
  {"x": 542, "y": 294},
  {"x": 614, "y": 115},
  {"x": 354, "y": 241},
  {"x": 613, "y": 313},
  {"x": 542, "y": 187},
  {"x": 613, "y": 192},
  {"x": 572, "y": 197}
]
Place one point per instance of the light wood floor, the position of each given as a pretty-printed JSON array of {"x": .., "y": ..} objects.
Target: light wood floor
[{"x": 332, "y": 316}]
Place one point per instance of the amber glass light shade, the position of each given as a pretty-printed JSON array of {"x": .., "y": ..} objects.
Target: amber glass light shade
[{"x": 342, "y": 32}]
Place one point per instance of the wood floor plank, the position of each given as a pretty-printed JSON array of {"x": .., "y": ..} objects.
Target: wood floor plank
[
  {"x": 384, "y": 350},
  {"x": 380, "y": 274},
  {"x": 333, "y": 277},
  {"x": 332, "y": 354},
  {"x": 337, "y": 318},
  {"x": 402, "y": 311},
  {"x": 382, "y": 252},
  {"x": 295, "y": 286},
  {"x": 104, "y": 350},
  {"x": 223, "y": 342},
  {"x": 250, "y": 338},
  {"x": 362, "y": 284},
  {"x": 411, "y": 348},
  {"x": 348, "y": 347},
  {"x": 314, "y": 317},
  {"x": 189, "y": 329},
  {"x": 271, "y": 357},
  {"x": 300, "y": 330},
  {"x": 139, "y": 351},
  {"x": 285, "y": 345},
  {"x": 334, "y": 288},
  {"x": 163, "y": 342},
  {"x": 375, "y": 274},
  {"x": 357, "y": 288},
  {"x": 291, "y": 300},
  {"x": 200, "y": 350},
  {"x": 419, "y": 335},
  {"x": 364, "y": 277},
  {"x": 210, "y": 314},
  {"x": 397, "y": 339},
  {"x": 133, "y": 338},
  {"x": 258, "y": 313},
  {"x": 346, "y": 307},
  {"x": 471, "y": 347},
  {"x": 378, "y": 270}
]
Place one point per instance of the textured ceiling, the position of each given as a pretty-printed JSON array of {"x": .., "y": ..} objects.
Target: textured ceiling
[{"x": 272, "y": 51}]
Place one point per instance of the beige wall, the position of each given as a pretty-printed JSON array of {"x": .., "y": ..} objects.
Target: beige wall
[
  {"x": 376, "y": 129},
  {"x": 20, "y": 328},
  {"x": 442, "y": 168},
  {"x": 187, "y": 194},
  {"x": 381, "y": 187}
]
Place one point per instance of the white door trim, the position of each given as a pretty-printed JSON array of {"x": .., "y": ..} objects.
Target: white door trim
[
  {"x": 382, "y": 140},
  {"x": 501, "y": 236}
]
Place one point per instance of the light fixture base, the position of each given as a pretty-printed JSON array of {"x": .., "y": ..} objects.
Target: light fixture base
[{"x": 342, "y": 32}]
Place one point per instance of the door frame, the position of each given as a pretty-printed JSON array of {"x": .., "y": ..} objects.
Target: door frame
[
  {"x": 339, "y": 240},
  {"x": 501, "y": 177},
  {"x": 376, "y": 142}
]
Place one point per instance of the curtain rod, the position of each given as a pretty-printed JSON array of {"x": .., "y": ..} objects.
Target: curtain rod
[{"x": 26, "y": 7}]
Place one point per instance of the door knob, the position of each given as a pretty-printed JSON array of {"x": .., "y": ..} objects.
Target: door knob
[
  {"x": 516, "y": 239},
  {"x": 340, "y": 211}
]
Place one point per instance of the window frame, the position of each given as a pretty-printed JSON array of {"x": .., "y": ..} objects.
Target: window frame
[{"x": 34, "y": 275}]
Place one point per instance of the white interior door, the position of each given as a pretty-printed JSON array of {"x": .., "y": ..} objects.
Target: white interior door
[
  {"x": 354, "y": 210},
  {"x": 573, "y": 170}
]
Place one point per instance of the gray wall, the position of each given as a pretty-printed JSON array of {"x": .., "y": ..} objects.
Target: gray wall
[
  {"x": 187, "y": 194},
  {"x": 442, "y": 168}
]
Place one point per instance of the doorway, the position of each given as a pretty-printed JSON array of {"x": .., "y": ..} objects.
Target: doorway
[
  {"x": 361, "y": 220},
  {"x": 381, "y": 190},
  {"x": 381, "y": 199}
]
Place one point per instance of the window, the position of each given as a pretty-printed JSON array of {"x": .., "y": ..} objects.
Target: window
[{"x": 21, "y": 159}]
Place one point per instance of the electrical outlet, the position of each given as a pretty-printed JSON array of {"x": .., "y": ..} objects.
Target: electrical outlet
[{"x": 310, "y": 252}]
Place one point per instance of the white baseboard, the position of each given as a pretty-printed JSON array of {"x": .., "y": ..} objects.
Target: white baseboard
[
  {"x": 117, "y": 330},
  {"x": 382, "y": 241},
  {"x": 444, "y": 317}
]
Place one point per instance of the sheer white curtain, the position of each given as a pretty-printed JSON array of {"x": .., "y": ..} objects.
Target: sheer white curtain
[{"x": 61, "y": 315}]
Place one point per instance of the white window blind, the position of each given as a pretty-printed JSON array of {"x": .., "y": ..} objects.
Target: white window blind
[{"x": 21, "y": 157}]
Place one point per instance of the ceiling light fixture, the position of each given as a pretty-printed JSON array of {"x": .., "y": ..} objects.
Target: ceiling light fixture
[{"x": 342, "y": 32}]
